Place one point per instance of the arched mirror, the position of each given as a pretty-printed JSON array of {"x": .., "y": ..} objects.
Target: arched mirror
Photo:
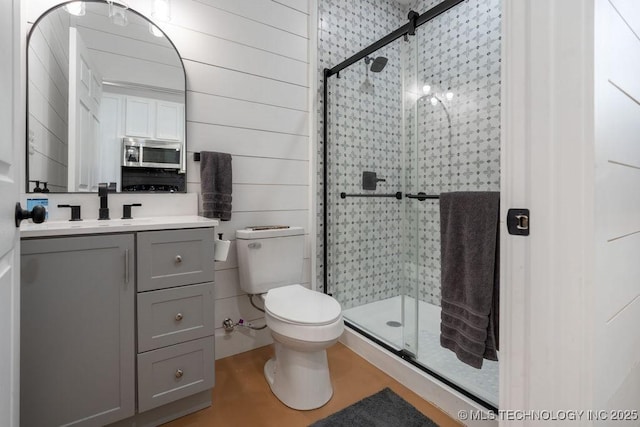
[{"x": 106, "y": 102}]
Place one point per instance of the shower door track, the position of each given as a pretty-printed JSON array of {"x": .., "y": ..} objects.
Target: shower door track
[{"x": 415, "y": 20}]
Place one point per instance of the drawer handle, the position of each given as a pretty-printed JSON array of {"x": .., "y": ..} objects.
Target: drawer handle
[
  {"x": 126, "y": 266},
  {"x": 178, "y": 259},
  {"x": 179, "y": 373},
  {"x": 179, "y": 317}
]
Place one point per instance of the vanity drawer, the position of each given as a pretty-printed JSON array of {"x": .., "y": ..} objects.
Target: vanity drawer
[
  {"x": 171, "y": 316},
  {"x": 174, "y": 258},
  {"x": 174, "y": 372}
]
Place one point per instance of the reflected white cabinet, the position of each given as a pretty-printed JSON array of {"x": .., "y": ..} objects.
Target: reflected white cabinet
[
  {"x": 169, "y": 120},
  {"x": 139, "y": 117},
  {"x": 156, "y": 119}
]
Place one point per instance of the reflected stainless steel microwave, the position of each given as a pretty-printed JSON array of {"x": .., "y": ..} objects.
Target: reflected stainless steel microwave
[{"x": 150, "y": 153}]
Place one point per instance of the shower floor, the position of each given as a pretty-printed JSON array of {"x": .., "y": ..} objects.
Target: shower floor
[{"x": 373, "y": 318}]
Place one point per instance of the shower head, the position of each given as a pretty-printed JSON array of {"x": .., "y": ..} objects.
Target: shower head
[{"x": 378, "y": 63}]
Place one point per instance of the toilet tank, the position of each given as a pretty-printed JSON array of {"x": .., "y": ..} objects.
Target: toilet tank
[{"x": 269, "y": 257}]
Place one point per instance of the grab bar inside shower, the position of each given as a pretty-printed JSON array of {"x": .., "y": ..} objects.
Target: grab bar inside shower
[
  {"x": 420, "y": 196},
  {"x": 397, "y": 195}
]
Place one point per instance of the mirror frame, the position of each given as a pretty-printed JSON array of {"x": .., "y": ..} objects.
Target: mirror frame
[{"x": 184, "y": 72}]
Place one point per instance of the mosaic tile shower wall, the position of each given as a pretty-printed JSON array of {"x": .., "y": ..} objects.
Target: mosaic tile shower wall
[
  {"x": 365, "y": 134},
  {"x": 379, "y": 245},
  {"x": 454, "y": 143}
]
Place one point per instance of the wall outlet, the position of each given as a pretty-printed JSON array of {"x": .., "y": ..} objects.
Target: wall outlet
[{"x": 32, "y": 202}]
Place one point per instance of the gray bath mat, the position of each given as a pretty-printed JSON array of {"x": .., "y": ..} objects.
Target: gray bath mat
[{"x": 383, "y": 409}]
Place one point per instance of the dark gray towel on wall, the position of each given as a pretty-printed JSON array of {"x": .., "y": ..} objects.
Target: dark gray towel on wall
[
  {"x": 470, "y": 275},
  {"x": 215, "y": 184}
]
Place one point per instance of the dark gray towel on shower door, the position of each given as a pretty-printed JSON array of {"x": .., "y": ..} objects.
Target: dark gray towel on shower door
[
  {"x": 215, "y": 184},
  {"x": 469, "y": 259}
]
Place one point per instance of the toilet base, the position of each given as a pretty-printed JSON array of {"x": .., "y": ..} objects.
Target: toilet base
[{"x": 299, "y": 379}]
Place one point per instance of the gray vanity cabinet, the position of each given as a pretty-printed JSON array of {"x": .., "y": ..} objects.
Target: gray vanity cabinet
[
  {"x": 116, "y": 328},
  {"x": 175, "y": 315},
  {"x": 174, "y": 258},
  {"x": 77, "y": 334}
]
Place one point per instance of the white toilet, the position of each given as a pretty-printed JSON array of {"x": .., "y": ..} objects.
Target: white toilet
[{"x": 303, "y": 323}]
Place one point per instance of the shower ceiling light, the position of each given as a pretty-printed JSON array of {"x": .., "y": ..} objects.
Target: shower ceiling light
[
  {"x": 435, "y": 95},
  {"x": 75, "y": 8}
]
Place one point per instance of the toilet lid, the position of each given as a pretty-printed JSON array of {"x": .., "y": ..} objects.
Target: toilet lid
[{"x": 297, "y": 304}]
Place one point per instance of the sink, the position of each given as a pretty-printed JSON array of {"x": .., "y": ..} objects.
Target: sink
[
  {"x": 136, "y": 221},
  {"x": 102, "y": 223},
  {"x": 116, "y": 225}
]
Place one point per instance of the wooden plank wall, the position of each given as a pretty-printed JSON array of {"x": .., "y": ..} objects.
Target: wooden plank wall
[{"x": 247, "y": 65}]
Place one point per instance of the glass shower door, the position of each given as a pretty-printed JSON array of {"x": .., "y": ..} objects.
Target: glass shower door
[
  {"x": 457, "y": 149},
  {"x": 423, "y": 114},
  {"x": 364, "y": 216},
  {"x": 410, "y": 209}
]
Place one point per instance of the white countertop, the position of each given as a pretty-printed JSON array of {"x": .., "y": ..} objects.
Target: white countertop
[{"x": 93, "y": 226}]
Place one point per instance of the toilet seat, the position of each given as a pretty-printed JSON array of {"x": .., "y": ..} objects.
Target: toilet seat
[
  {"x": 300, "y": 314},
  {"x": 298, "y": 305}
]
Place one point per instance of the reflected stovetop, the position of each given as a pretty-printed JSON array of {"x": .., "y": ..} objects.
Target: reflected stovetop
[{"x": 151, "y": 187}]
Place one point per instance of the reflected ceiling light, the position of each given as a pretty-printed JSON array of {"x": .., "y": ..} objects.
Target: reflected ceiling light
[
  {"x": 436, "y": 96},
  {"x": 161, "y": 10},
  {"x": 118, "y": 13},
  {"x": 75, "y": 8},
  {"x": 155, "y": 30}
]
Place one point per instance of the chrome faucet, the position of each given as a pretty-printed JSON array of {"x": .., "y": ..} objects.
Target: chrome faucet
[{"x": 103, "y": 191}]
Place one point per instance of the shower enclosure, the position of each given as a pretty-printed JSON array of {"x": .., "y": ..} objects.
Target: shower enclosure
[{"x": 420, "y": 108}]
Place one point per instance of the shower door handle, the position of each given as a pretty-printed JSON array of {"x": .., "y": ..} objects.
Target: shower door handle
[{"x": 422, "y": 196}]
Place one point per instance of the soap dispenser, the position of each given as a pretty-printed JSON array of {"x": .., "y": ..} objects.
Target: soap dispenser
[{"x": 221, "y": 248}]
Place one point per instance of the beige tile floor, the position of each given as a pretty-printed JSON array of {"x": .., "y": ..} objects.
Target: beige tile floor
[{"x": 242, "y": 398}]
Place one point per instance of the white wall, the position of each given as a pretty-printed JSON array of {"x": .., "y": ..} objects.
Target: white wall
[
  {"x": 617, "y": 120},
  {"x": 547, "y": 301},
  {"x": 130, "y": 54},
  {"x": 48, "y": 102},
  {"x": 571, "y": 108},
  {"x": 248, "y": 87}
]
